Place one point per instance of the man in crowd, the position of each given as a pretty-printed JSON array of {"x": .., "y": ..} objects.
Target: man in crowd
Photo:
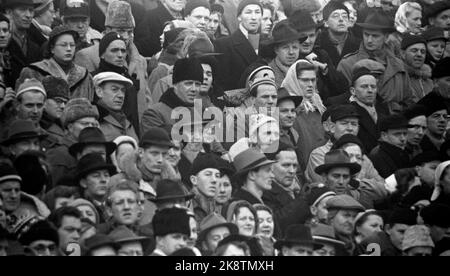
[
  {"x": 285, "y": 197},
  {"x": 390, "y": 154},
  {"x": 395, "y": 89},
  {"x": 67, "y": 221},
  {"x": 78, "y": 115},
  {"x": 76, "y": 15},
  {"x": 437, "y": 120},
  {"x": 110, "y": 89},
  {"x": 336, "y": 39},
  {"x": 417, "y": 127},
  {"x": 297, "y": 241},
  {"x": 414, "y": 50},
  {"x": 171, "y": 229},
  {"x": 344, "y": 120},
  {"x": 241, "y": 48},
  {"x": 31, "y": 97},
  {"x": 187, "y": 79},
  {"x": 57, "y": 97},
  {"x": 22, "y": 50},
  {"x": 22, "y": 136},
  {"x": 41, "y": 239},
  {"x": 93, "y": 175},
  {"x": 204, "y": 176},
  {"x": 198, "y": 12},
  {"x": 213, "y": 229},
  {"x": 287, "y": 105}
]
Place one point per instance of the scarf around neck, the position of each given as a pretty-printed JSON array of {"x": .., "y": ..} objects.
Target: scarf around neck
[{"x": 292, "y": 85}]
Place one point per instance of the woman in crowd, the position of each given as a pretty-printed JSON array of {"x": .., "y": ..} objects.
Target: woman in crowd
[
  {"x": 441, "y": 193},
  {"x": 366, "y": 224},
  {"x": 61, "y": 53},
  {"x": 408, "y": 19},
  {"x": 266, "y": 227},
  {"x": 244, "y": 216}
]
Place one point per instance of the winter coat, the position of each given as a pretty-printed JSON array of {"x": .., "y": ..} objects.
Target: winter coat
[
  {"x": 112, "y": 128},
  {"x": 393, "y": 87},
  {"x": 19, "y": 61},
  {"x": 132, "y": 106},
  {"x": 150, "y": 28},
  {"x": 237, "y": 55},
  {"x": 60, "y": 160},
  {"x": 79, "y": 80},
  {"x": 387, "y": 159},
  {"x": 350, "y": 46},
  {"x": 54, "y": 129},
  {"x": 332, "y": 83},
  {"x": 420, "y": 81},
  {"x": 311, "y": 135},
  {"x": 159, "y": 115},
  {"x": 286, "y": 209}
]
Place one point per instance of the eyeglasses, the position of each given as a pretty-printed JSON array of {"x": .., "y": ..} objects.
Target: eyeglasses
[{"x": 65, "y": 45}]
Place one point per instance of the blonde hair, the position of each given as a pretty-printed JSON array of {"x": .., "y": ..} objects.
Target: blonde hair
[{"x": 405, "y": 9}]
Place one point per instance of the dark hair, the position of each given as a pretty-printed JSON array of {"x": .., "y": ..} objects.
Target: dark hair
[
  {"x": 57, "y": 216},
  {"x": 302, "y": 66},
  {"x": 262, "y": 207},
  {"x": 267, "y": 6},
  {"x": 239, "y": 244},
  {"x": 243, "y": 204},
  {"x": 3, "y": 18},
  {"x": 57, "y": 192},
  {"x": 364, "y": 218}
]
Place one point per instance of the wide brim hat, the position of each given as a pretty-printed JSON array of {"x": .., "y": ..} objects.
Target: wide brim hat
[
  {"x": 354, "y": 168},
  {"x": 297, "y": 234},
  {"x": 302, "y": 21},
  {"x": 95, "y": 167},
  {"x": 15, "y": 3},
  {"x": 231, "y": 226},
  {"x": 284, "y": 33},
  {"x": 168, "y": 190},
  {"x": 124, "y": 235},
  {"x": 378, "y": 21},
  {"x": 249, "y": 160},
  {"x": 21, "y": 129},
  {"x": 321, "y": 239},
  {"x": 337, "y": 159},
  {"x": 77, "y": 147},
  {"x": 21, "y": 136},
  {"x": 284, "y": 95}
]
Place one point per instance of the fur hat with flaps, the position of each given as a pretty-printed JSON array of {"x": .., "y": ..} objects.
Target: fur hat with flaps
[
  {"x": 77, "y": 109},
  {"x": 119, "y": 15},
  {"x": 56, "y": 87}
]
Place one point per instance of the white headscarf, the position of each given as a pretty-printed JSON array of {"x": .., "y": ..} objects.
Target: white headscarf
[
  {"x": 437, "y": 180},
  {"x": 120, "y": 140},
  {"x": 401, "y": 22},
  {"x": 292, "y": 85}
]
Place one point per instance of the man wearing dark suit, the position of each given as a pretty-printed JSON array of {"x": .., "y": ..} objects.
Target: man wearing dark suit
[
  {"x": 242, "y": 47},
  {"x": 149, "y": 30}
]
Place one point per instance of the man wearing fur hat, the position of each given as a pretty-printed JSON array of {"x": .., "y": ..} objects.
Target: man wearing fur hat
[
  {"x": 41, "y": 239},
  {"x": 336, "y": 39},
  {"x": 187, "y": 79},
  {"x": 119, "y": 19},
  {"x": 437, "y": 120},
  {"x": 78, "y": 115},
  {"x": 57, "y": 96},
  {"x": 172, "y": 231}
]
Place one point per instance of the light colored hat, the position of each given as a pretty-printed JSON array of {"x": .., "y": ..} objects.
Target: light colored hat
[
  {"x": 103, "y": 77},
  {"x": 417, "y": 235},
  {"x": 119, "y": 15},
  {"x": 437, "y": 180},
  {"x": 30, "y": 85}
]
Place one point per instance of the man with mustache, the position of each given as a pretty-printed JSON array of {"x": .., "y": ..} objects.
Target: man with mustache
[
  {"x": 437, "y": 121},
  {"x": 414, "y": 50},
  {"x": 22, "y": 50},
  {"x": 204, "y": 176},
  {"x": 390, "y": 154},
  {"x": 110, "y": 89}
]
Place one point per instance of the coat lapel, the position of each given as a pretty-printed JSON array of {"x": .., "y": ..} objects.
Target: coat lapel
[{"x": 243, "y": 47}]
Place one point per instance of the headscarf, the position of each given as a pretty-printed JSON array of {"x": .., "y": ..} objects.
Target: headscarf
[
  {"x": 401, "y": 22},
  {"x": 292, "y": 85},
  {"x": 437, "y": 181},
  {"x": 118, "y": 141}
]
